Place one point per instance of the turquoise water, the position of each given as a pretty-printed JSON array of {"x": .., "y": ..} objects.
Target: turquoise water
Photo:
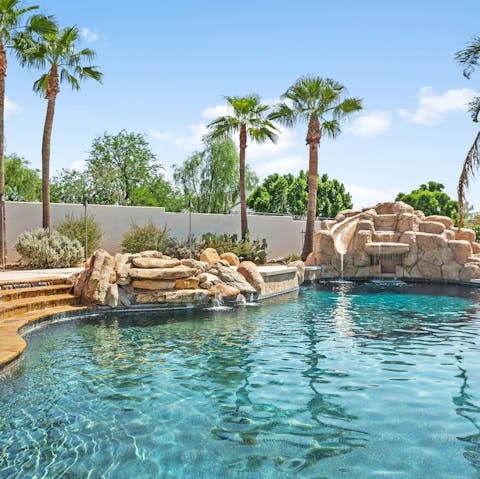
[{"x": 342, "y": 381}]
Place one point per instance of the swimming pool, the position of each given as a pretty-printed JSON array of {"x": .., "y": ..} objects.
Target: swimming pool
[{"x": 343, "y": 380}]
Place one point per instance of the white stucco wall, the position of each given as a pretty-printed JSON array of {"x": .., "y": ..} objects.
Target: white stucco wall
[{"x": 283, "y": 234}]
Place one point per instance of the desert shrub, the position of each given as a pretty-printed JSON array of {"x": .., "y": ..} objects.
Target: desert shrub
[
  {"x": 180, "y": 248},
  {"x": 255, "y": 250},
  {"x": 38, "y": 249},
  {"x": 74, "y": 228},
  {"x": 293, "y": 257},
  {"x": 145, "y": 238}
]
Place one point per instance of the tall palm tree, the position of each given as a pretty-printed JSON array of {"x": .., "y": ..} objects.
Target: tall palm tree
[
  {"x": 469, "y": 58},
  {"x": 248, "y": 120},
  {"x": 13, "y": 21},
  {"x": 56, "y": 51},
  {"x": 318, "y": 102}
]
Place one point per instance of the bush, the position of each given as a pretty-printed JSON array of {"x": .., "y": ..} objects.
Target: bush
[
  {"x": 145, "y": 238},
  {"x": 38, "y": 249},
  {"x": 255, "y": 251},
  {"x": 180, "y": 248},
  {"x": 74, "y": 228}
]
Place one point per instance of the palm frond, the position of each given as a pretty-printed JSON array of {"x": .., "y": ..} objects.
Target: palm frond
[
  {"x": 40, "y": 86},
  {"x": 470, "y": 166},
  {"x": 474, "y": 108},
  {"x": 284, "y": 115},
  {"x": 469, "y": 57},
  {"x": 263, "y": 134},
  {"x": 41, "y": 25},
  {"x": 331, "y": 128},
  {"x": 223, "y": 127}
]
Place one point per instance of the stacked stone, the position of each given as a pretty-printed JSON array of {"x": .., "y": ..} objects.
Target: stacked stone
[
  {"x": 423, "y": 247},
  {"x": 151, "y": 277}
]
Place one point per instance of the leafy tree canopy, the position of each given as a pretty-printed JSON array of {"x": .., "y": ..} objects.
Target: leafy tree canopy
[
  {"x": 22, "y": 183},
  {"x": 287, "y": 194},
  {"x": 121, "y": 169},
  {"x": 431, "y": 199},
  {"x": 209, "y": 178}
]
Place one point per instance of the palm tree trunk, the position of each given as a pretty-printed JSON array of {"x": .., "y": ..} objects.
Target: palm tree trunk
[
  {"x": 243, "y": 195},
  {"x": 3, "y": 230},
  {"x": 312, "y": 200},
  {"x": 47, "y": 135},
  {"x": 312, "y": 140}
]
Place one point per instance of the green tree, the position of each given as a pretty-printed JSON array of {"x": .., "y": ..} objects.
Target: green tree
[
  {"x": 121, "y": 169},
  {"x": 22, "y": 183},
  {"x": 469, "y": 59},
  {"x": 249, "y": 122},
  {"x": 57, "y": 52},
  {"x": 13, "y": 22},
  {"x": 209, "y": 178},
  {"x": 289, "y": 195},
  {"x": 320, "y": 103},
  {"x": 431, "y": 199}
]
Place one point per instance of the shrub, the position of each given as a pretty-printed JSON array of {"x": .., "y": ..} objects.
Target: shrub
[
  {"x": 180, "y": 248},
  {"x": 74, "y": 228},
  {"x": 38, "y": 249},
  {"x": 247, "y": 250},
  {"x": 145, "y": 238}
]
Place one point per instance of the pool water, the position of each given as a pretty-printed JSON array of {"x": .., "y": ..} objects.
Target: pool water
[{"x": 343, "y": 380}]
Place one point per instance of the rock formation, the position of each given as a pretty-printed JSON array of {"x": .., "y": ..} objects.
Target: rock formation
[
  {"x": 151, "y": 278},
  {"x": 393, "y": 240}
]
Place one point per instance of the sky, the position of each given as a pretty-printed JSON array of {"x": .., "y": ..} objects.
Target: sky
[{"x": 168, "y": 64}]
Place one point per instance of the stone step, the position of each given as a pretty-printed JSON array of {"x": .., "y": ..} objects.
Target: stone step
[
  {"x": 385, "y": 222},
  {"x": 21, "y": 292},
  {"x": 21, "y": 306}
]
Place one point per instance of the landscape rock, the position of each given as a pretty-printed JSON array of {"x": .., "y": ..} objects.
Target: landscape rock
[
  {"x": 201, "y": 266},
  {"x": 300, "y": 265},
  {"x": 232, "y": 278},
  {"x": 189, "y": 283},
  {"x": 210, "y": 256},
  {"x": 431, "y": 227},
  {"x": 232, "y": 258},
  {"x": 151, "y": 254},
  {"x": 154, "y": 284},
  {"x": 461, "y": 250},
  {"x": 151, "y": 262},
  {"x": 125, "y": 296},
  {"x": 445, "y": 220},
  {"x": 465, "y": 234},
  {"x": 98, "y": 281},
  {"x": 122, "y": 268},
  {"x": 225, "y": 291},
  {"x": 250, "y": 272},
  {"x": 180, "y": 296},
  {"x": 112, "y": 296},
  {"x": 177, "y": 272}
]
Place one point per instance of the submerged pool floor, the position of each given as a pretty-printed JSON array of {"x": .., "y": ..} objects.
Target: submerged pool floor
[{"x": 343, "y": 380}]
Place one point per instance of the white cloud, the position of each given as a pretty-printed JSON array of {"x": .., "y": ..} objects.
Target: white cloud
[
  {"x": 363, "y": 196},
  {"x": 88, "y": 35},
  {"x": 10, "y": 106},
  {"x": 433, "y": 108},
  {"x": 212, "y": 112},
  {"x": 79, "y": 165},
  {"x": 282, "y": 166},
  {"x": 371, "y": 124},
  {"x": 287, "y": 139},
  {"x": 192, "y": 138}
]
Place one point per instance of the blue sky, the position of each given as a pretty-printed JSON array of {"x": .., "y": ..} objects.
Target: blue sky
[{"x": 168, "y": 64}]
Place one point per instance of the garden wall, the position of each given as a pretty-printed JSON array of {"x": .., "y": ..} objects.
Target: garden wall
[{"x": 283, "y": 234}]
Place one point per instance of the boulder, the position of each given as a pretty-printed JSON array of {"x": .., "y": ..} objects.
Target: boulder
[
  {"x": 189, "y": 283},
  {"x": 200, "y": 266},
  {"x": 177, "y": 272},
  {"x": 232, "y": 278},
  {"x": 461, "y": 250},
  {"x": 180, "y": 296},
  {"x": 79, "y": 281},
  {"x": 399, "y": 207},
  {"x": 210, "y": 256},
  {"x": 469, "y": 271},
  {"x": 476, "y": 248},
  {"x": 323, "y": 243},
  {"x": 451, "y": 270},
  {"x": 232, "y": 258},
  {"x": 149, "y": 262},
  {"x": 154, "y": 284},
  {"x": 122, "y": 268},
  {"x": 225, "y": 291},
  {"x": 125, "y": 296},
  {"x": 112, "y": 296},
  {"x": 465, "y": 234},
  {"x": 445, "y": 220},
  {"x": 449, "y": 235},
  {"x": 428, "y": 241},
  {"x": 429, "y": 270},
  {"x": 419, "y": 214},
  {"x": 431, "y": 227},
  {"x": 224, "y": 262},
  {"x": 327, "y": 224},
  {"x": 434, "y": 256},
  {"x": 366, "y": 225},
  {"x": 98, "y": 282},
  {"x": 250, "y": 272},
  {"x": 407, "y": 222}
]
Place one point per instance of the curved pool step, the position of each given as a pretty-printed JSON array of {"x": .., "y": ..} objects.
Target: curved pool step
[{"x": 23, "y": 292}]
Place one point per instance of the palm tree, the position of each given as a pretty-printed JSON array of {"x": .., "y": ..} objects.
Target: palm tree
[
  {"x": 318, "y": 102},
  {"x": 248, "y": 120},
  {"x": 13, "y": 21},
  {"x": 469, "y": 58},
  {"x": 55, "y": 51}
]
